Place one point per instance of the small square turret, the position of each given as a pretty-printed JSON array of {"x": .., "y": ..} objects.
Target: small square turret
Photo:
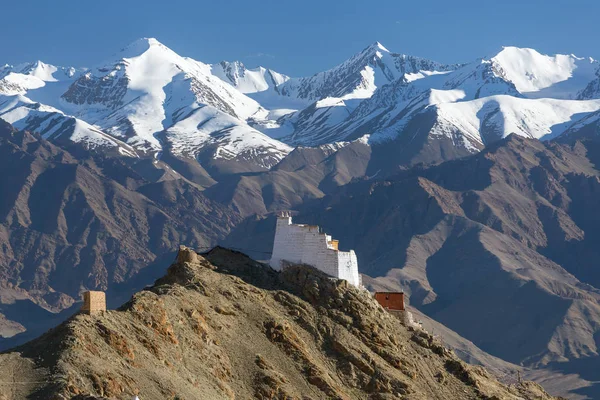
[{"x": 94, "y": 302}]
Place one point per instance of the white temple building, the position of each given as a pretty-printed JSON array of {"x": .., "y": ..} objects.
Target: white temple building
[{"x": 305, "y": 244}]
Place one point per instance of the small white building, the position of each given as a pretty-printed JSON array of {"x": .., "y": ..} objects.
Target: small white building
[{"x": 305, "y": 244}]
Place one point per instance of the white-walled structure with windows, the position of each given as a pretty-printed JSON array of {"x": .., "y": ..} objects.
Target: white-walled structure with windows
[{"x": 305, "y": 244}]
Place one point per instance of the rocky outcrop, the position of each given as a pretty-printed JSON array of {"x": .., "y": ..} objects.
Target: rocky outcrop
[{"x": 221, "y": 326}]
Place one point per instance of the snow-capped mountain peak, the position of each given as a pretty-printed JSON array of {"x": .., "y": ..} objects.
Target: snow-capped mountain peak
[
  {"x": 138, "y": 101},
  {"x": 127, "y": 97},
  {"x": 379, "y": 46},
  {"x": 248, "y": 80},
  {"x": 472, "y": 104},
  {"x": 19, "y": 79},
  {"x": 359, "y": 76},
  {"x": 537, "y": 75},
  {"x": 140, "y": 46},
  {"x": 375, "y": 49},
  {"x": 41, "y": 71}
]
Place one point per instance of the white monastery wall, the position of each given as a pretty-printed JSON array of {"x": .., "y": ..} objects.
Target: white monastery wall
[
  {"x": 288, "y": 244},
  {"x": 304, "y": 244},
  {"x": 348, "y": 266}
]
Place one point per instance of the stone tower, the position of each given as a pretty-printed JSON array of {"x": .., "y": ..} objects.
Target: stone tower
[{"x": 94, "y": 302}]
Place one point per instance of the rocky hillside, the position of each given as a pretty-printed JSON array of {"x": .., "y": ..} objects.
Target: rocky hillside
[
  {"x": 70, "y": 221},
  {"x": 500, "y": 247},
  {"x": 221, "y": 326}
]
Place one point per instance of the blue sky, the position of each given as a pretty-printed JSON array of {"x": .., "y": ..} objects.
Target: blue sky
[{"x": 295, "y": 37}]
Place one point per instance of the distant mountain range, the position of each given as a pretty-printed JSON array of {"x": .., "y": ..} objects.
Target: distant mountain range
[{"x": 148, "y": 101}]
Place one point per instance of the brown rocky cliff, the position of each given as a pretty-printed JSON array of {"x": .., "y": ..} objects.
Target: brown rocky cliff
[{"x": 222, "y": 326}]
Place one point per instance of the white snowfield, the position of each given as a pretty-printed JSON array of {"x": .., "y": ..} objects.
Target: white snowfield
[
  {"x": 146, "y": 99},
  {"x": 499, "y": 116},
  {"x": 247, "y": 80},
  {"x": 537, "y": 75}
]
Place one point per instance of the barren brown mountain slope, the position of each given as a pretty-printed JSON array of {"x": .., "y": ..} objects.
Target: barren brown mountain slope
[
  {"x": 304, "y": 174},
  {"x": 71, "y": 221},
  {"x": 501, "y": 247},
  {"x": 221, "y": 326}
]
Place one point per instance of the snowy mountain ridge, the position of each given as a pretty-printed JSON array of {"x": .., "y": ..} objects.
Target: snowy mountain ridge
[
  {"x": 536, "y": 75},
  {"x": 359, "y": 76},
  {"x": 246, "y": 80},
  {"x": 18, "y": 79},
  {"x": 515, "y": 73},
  {"x": 147, "y": 101},
  {"x": 139, "y": 98},
  {"x": 127, "y": 97}
]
